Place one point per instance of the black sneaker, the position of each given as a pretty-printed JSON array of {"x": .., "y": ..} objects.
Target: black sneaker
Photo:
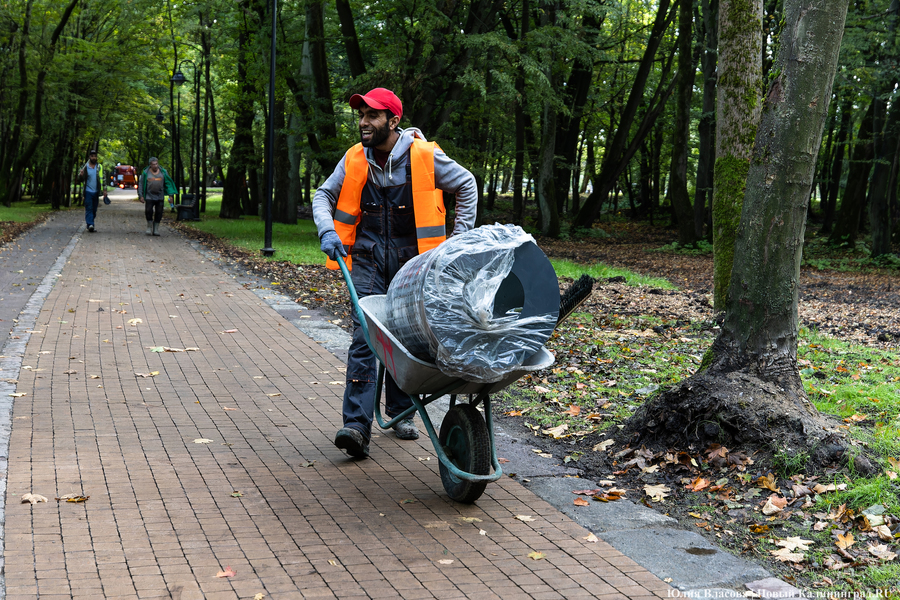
[
  {"x": 91, "y": 228},
  {"x": 353, "y": 442}
]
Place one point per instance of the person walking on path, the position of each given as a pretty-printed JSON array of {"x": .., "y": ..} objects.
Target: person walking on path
[
  {"x": 154, "y": 185},
  {"x": 92, "y": 176},
  {"x": 384, "y": 205}
]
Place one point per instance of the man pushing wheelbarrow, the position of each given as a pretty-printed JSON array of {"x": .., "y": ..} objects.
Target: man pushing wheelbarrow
[{"x": 383, "y": 205}]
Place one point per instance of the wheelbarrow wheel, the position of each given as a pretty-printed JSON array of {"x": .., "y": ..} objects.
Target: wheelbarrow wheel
[{"x": 464, "y": 437}]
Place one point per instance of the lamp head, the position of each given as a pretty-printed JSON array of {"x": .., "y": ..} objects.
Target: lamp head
[{"x": 178, "y": 78}]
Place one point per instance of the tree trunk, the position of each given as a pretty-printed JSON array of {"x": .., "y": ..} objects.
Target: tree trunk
[
  {"x": 706, "y": 129},
  {"x": 846, "y": 226},
  {"x": 18, "y": 165},
  {"x": 737, "y": 115},
  {"x": 616, "y": 156},
  {"x": 879, "y": 209},
  {"x": 242, "y": 147},
  {"x": 837, "y": 167},
  {"x": 518, "y": 216},
  {"x": 285, "y": 210},
  {"x": 575, "y": 95},
  {"x": 678, "y": 190},
  {"x": 351, "y": 41},
  {"x": 749, "y": 389}
]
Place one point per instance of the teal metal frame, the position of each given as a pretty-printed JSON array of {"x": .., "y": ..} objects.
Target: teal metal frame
[{"x": 420, "y": 401}]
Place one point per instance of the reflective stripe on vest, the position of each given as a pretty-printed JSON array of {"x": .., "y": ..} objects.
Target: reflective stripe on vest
[{"x": 428, "y": 202}]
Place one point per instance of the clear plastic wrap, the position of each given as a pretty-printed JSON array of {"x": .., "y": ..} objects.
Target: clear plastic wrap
[{"x": 478, "y": 305}]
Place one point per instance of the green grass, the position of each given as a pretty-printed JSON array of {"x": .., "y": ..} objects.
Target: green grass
[
  {"x": 566, "y": 268},
  {"x": 298, "y": 243},
  {"x": 23, "y": 212}
]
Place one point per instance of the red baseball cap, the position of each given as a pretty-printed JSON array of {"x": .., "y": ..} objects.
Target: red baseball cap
[{"x": 379, "y": 99}]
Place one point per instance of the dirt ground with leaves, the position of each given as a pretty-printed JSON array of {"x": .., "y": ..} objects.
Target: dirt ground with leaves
[{"x": 747, "y": 500}]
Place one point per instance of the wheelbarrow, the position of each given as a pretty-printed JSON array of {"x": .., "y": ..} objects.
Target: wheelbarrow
[{"x": 465, "y": 446}]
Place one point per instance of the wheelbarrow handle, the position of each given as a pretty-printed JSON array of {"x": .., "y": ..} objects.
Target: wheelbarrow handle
[{"x": 354, "y": 299}]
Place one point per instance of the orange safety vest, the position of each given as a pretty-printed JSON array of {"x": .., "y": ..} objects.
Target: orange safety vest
[{"x": 428, "y": 202}]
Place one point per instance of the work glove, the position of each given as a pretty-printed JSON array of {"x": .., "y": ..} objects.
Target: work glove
[{"x": 332, "y": 245}]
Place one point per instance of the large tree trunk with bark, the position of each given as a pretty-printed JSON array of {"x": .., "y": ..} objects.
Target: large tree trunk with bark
[
  {"x": 619, "y": 151},
  {"x": 285, "y": 210},
  {"x": 846, "y": 226},
  {"x": 706, "y": 129},
  {"x": 351, "y": 41},
  {"x": 737, "y": 115},
  {"x": 748, "y": 391},
  {"x": 829, "y": 201},
  {"x": 678, "y": 190},
  {"x": 242, "y": 147}
]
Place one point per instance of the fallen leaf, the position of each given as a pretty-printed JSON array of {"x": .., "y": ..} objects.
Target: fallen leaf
[
  {"x": 591, "y": 538},
  {"x": 581, "y": 502},
  {"x": 785, "y": 555},
  {"x": 882, "y": 551},
  {"x": 541, "y": 389},
  {"x": 33, "y": 498},
  {"x": 259, "y": 596},
  {"x": 759, "y": 529},
  {"x": 502, "y": 460},
  {"x": 556, "y": 432},
  {"x": 408, "y": 501},
  {"x": 891, "y": 475},
  {"x": 468, "y": 519},
  {"x": 525, "y": 518},
  {"x": 536, "y": 555},
  {"x": 226, "y": 408},
  {"x": 774, "y": 505},
  {"x": 794, "y": 543},
  {"x": 697, "y": 484},
  {"x": 768, "y": 482},
  {"x": 157, "y": 348},
  {"x": 308, "y": 464},
  {"x": 228, "y": 572},
  {"x": 856, "y": 418},
  {"x": 135, "y": 321},
  {"x": 332, "y": 562},
  {"x": 95, "y": 377},
  {"x": 844, "y": 541},
  {"x": 821, "y": 489},
  {"x": 603, "y": 445},
  {"x": 574, "y": 410},
  {"x": 73, "y": 498},
  {"x": 70, "y": 372},
  {"x": 273, "y": 395},
  {"x": 236, "y": 494},
  {"x": 202, "y": 441},
  {"x": 145, "y": 375},
  {"x": 18, "y": 395},
  {"x": 884, "y": 533},
  {"x": 230, "y": 331},
  {"x": 657, "y": 492},
  {"x": 446, "y": 561},
  {"x": 482, "y": 532}
]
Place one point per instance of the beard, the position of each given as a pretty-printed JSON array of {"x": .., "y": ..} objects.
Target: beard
[{"x": 378, "y": 136}]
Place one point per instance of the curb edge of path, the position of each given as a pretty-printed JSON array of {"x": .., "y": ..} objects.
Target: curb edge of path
[{"x": 12, "y": 356}]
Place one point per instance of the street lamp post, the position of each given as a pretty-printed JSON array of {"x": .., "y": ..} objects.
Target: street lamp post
[
  {"x": 270, "y": 147},
  {"x": 178, "y": 79},
  {"x": 194, "y": 168}
]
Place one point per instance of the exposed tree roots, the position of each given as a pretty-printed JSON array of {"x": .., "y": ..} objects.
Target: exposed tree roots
[{"x": 740, "y": 410}]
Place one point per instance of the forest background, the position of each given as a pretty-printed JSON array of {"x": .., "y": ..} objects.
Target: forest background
[{"x": 580, "y": 107}]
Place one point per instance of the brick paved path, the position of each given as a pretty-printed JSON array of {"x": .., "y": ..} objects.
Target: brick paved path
[{"x": 163, "y": 519}]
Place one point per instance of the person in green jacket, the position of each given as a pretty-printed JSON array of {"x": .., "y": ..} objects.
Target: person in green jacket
[{"x": 154, "y": 186}]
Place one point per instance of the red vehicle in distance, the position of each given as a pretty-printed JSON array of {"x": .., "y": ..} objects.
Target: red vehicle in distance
[{"x": 125, "y": 176}]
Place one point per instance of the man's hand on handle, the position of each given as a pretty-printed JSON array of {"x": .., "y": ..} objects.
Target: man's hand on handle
[{"x": 332, "y": 245}]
